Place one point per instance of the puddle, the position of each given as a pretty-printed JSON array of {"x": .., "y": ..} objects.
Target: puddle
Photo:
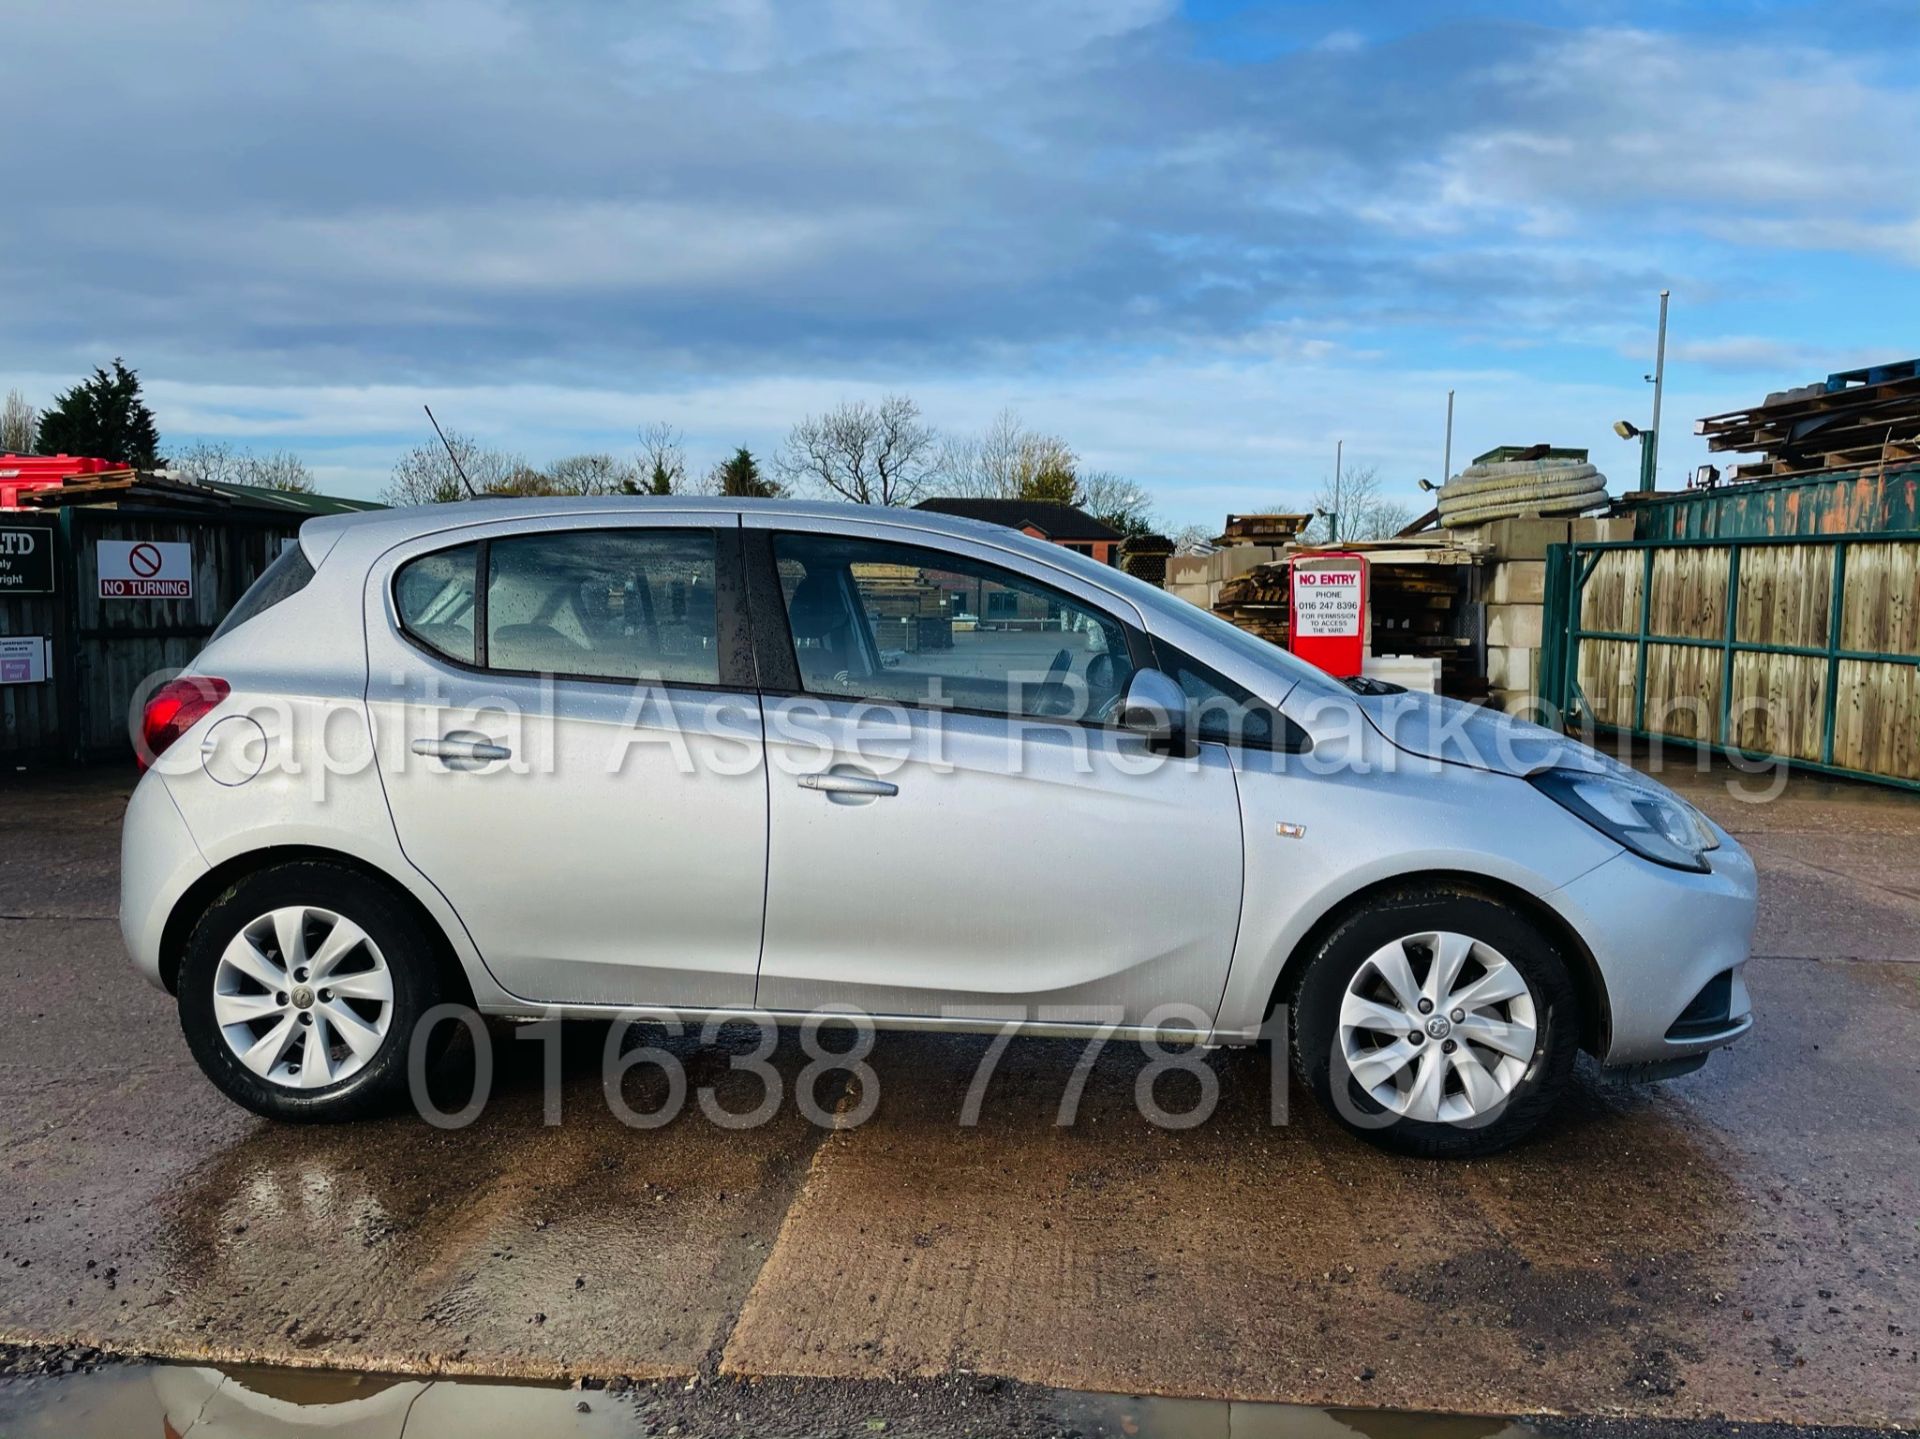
[{"x": 174, "y": 1401}]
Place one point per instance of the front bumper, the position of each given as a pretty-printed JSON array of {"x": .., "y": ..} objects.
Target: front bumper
[{"x": 1660, "y": 938}]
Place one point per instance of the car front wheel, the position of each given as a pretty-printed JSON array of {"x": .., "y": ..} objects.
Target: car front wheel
[
  {"x": 1436, "y": 1022},
  {"x": 300, "y": 989}
]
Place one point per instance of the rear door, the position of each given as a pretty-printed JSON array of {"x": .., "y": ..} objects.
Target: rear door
[
  {"x": 571, "y": 747},
  {"x": 956, "y": 829}
]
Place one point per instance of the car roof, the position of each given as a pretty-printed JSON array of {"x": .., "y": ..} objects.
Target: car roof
[{"x": 382, "y": 528}]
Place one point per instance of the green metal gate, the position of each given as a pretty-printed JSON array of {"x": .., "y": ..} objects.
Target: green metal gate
[{"x": 1797, "y": 648}]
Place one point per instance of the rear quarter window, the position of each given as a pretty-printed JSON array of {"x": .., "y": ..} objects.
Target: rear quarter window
[
  {"x": 434, "y": 598},
  {"x": 281, "y": 580}
]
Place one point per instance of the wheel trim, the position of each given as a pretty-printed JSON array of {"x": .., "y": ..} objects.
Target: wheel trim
[
  {"x": 1396, "y": 1052},
  {"x": 302, "y": 997}
]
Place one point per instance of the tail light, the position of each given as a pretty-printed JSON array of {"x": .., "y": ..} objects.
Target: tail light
[{"x": 172, "y": 711}]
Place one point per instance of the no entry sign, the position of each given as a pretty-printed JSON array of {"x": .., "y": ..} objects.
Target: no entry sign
[
  {"x": 1327, "y": 611},
  {"x": 145, "y": 570}
]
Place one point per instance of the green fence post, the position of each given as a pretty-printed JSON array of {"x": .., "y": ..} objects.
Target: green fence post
[
  {"x": 1723, "y": 729},
  {"x": 1550, "y": 685},
  {"x": 1834, "y": 606},
  {"x": 1640, "y": 660}
]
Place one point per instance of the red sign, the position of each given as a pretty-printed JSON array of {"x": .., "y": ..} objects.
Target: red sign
[{"x": 1327, "y": 611}]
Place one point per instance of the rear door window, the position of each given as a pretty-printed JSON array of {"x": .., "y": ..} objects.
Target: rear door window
[{"x": 625, "y": 604}]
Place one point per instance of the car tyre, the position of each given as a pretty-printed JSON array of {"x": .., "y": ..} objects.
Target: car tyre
[
  {"x": 1418, "y": 919},
  {"x": 393, "y": 941}
]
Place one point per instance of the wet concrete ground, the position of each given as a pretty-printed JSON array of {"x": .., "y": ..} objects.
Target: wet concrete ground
[{"x": 1744, "y": 1242}]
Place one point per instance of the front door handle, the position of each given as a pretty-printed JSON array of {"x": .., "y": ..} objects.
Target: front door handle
[
  {"x": 843, "y": 780},
  {"x": 462, "y": 749}
]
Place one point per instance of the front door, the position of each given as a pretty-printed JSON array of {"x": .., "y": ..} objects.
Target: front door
[
  {"x": 956, "y": 829},
  {"x": 571, "y": 750}
]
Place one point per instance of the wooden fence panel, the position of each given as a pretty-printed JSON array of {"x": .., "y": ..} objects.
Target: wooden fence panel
[
  {"x": 1785, "y": 595},
  {"x": 1689, "y": 595},
  {"x": 1880, "y": 611},
  {"x": 1773, "y": 703},
  {"x": 1683, "y": 690},
  {"x": 1611, "y": 599},
  {"x": 1876, "y": 720}
]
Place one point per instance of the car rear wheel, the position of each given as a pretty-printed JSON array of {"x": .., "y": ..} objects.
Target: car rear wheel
[
  {"x": 1436, "y": 1022},
  {"x": 300, "y": 989}
]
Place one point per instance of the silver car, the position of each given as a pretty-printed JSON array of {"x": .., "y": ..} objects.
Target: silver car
[{"x": 563, "y": 757}]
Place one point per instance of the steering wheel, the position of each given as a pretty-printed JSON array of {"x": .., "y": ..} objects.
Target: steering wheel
[{"x": 1105, "y": 688}]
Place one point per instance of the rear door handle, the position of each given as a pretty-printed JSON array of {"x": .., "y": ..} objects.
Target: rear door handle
[
  {"x": 841, "y": 780},
  {"x": 462, "y": 749}
]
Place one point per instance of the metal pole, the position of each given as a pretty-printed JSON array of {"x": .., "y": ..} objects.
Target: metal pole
[
  {"x": 1446, "y": 462},
  {"x": 1659, "y": 380},
  {"x": 1333, "y": 520}
]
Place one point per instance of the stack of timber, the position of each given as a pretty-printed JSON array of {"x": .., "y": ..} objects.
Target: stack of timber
[
  {"x": 1418, "y": 600},
  {"x": 1257, "y": 602},
  {"x": 1262, "y": 530},
  {"x": 1855, "y": 419}
]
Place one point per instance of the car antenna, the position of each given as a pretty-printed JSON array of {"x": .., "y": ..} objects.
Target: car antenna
[{"x": 472, "y": 493}]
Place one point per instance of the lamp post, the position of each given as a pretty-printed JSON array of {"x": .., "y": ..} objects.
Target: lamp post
[
  {"x": 1627, "y": 430},
  {"x": 1333, "y": 515},
  {"x": 1650, "y": 446}
]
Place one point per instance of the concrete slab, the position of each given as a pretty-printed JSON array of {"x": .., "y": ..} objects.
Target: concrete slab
[
  {"x": 141, "y": 1212},
  {"x": 1742, "y": 1242}
]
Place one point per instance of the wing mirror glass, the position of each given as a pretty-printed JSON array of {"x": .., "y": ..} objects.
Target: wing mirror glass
[{"x": 1156, "y": 708}]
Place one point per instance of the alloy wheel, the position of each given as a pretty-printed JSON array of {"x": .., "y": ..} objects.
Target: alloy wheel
[
  {"x": 1438, "y": 1027},
  {"x": 303, "y": 997}
]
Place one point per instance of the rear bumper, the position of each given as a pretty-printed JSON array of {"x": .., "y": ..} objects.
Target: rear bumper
[
  {"x": 158, "y": 861},
  {"x": 1661, "y": 937}
]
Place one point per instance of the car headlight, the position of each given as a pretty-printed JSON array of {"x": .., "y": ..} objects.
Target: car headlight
[{"x": 1652, "y": 823}]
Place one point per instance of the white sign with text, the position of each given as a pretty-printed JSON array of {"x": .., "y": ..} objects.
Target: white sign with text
[{"x": 145, "y": 570}]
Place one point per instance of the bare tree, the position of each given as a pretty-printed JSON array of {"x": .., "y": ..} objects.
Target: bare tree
[
  {"x": 1362, "y": 511},
  {"x": 1008, "y": 461},
  {"x": 1117, "y": 501},
  {"x": 1194, "y": 539},
  {"x": 280, "y": 470},
  {"x": 424, "y": 475},
  {"x": 217, "y": 462},
  {"x": 214, "y": 461},
  {"x": 880, "y": 454},
  {"x": 19, "y": 425},
  {"x": 592, "y": 474},
  {"x": 663, "y": 461}
]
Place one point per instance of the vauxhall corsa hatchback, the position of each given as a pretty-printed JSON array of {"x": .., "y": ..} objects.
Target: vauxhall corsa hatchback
[{"x": 565, "y": 757}]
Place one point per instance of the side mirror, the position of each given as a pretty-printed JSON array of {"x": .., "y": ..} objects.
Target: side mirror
[{"x": 1156, "y": 708}]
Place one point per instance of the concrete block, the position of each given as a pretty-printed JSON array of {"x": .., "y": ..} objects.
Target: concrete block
[
  {"x": 1238, "y": 559},
  {"x": 1603, "y": 527},
  {"x": 1519, "y": 582},
  {"x": 1510, "y": 668},
  {"x": 1515, "y": 625},
  {"x": 1524, "y": 539},
  {"x": 1188, "y": 570}
]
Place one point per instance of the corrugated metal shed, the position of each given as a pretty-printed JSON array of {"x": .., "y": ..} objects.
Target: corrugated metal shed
[{"x": 1855, "y": 502}]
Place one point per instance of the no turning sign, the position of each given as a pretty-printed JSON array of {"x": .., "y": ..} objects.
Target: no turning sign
[{"x": 145, "y": 570}]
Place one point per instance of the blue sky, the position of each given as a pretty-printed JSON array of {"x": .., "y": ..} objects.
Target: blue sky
[{"x": 1200, "y": 242}]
